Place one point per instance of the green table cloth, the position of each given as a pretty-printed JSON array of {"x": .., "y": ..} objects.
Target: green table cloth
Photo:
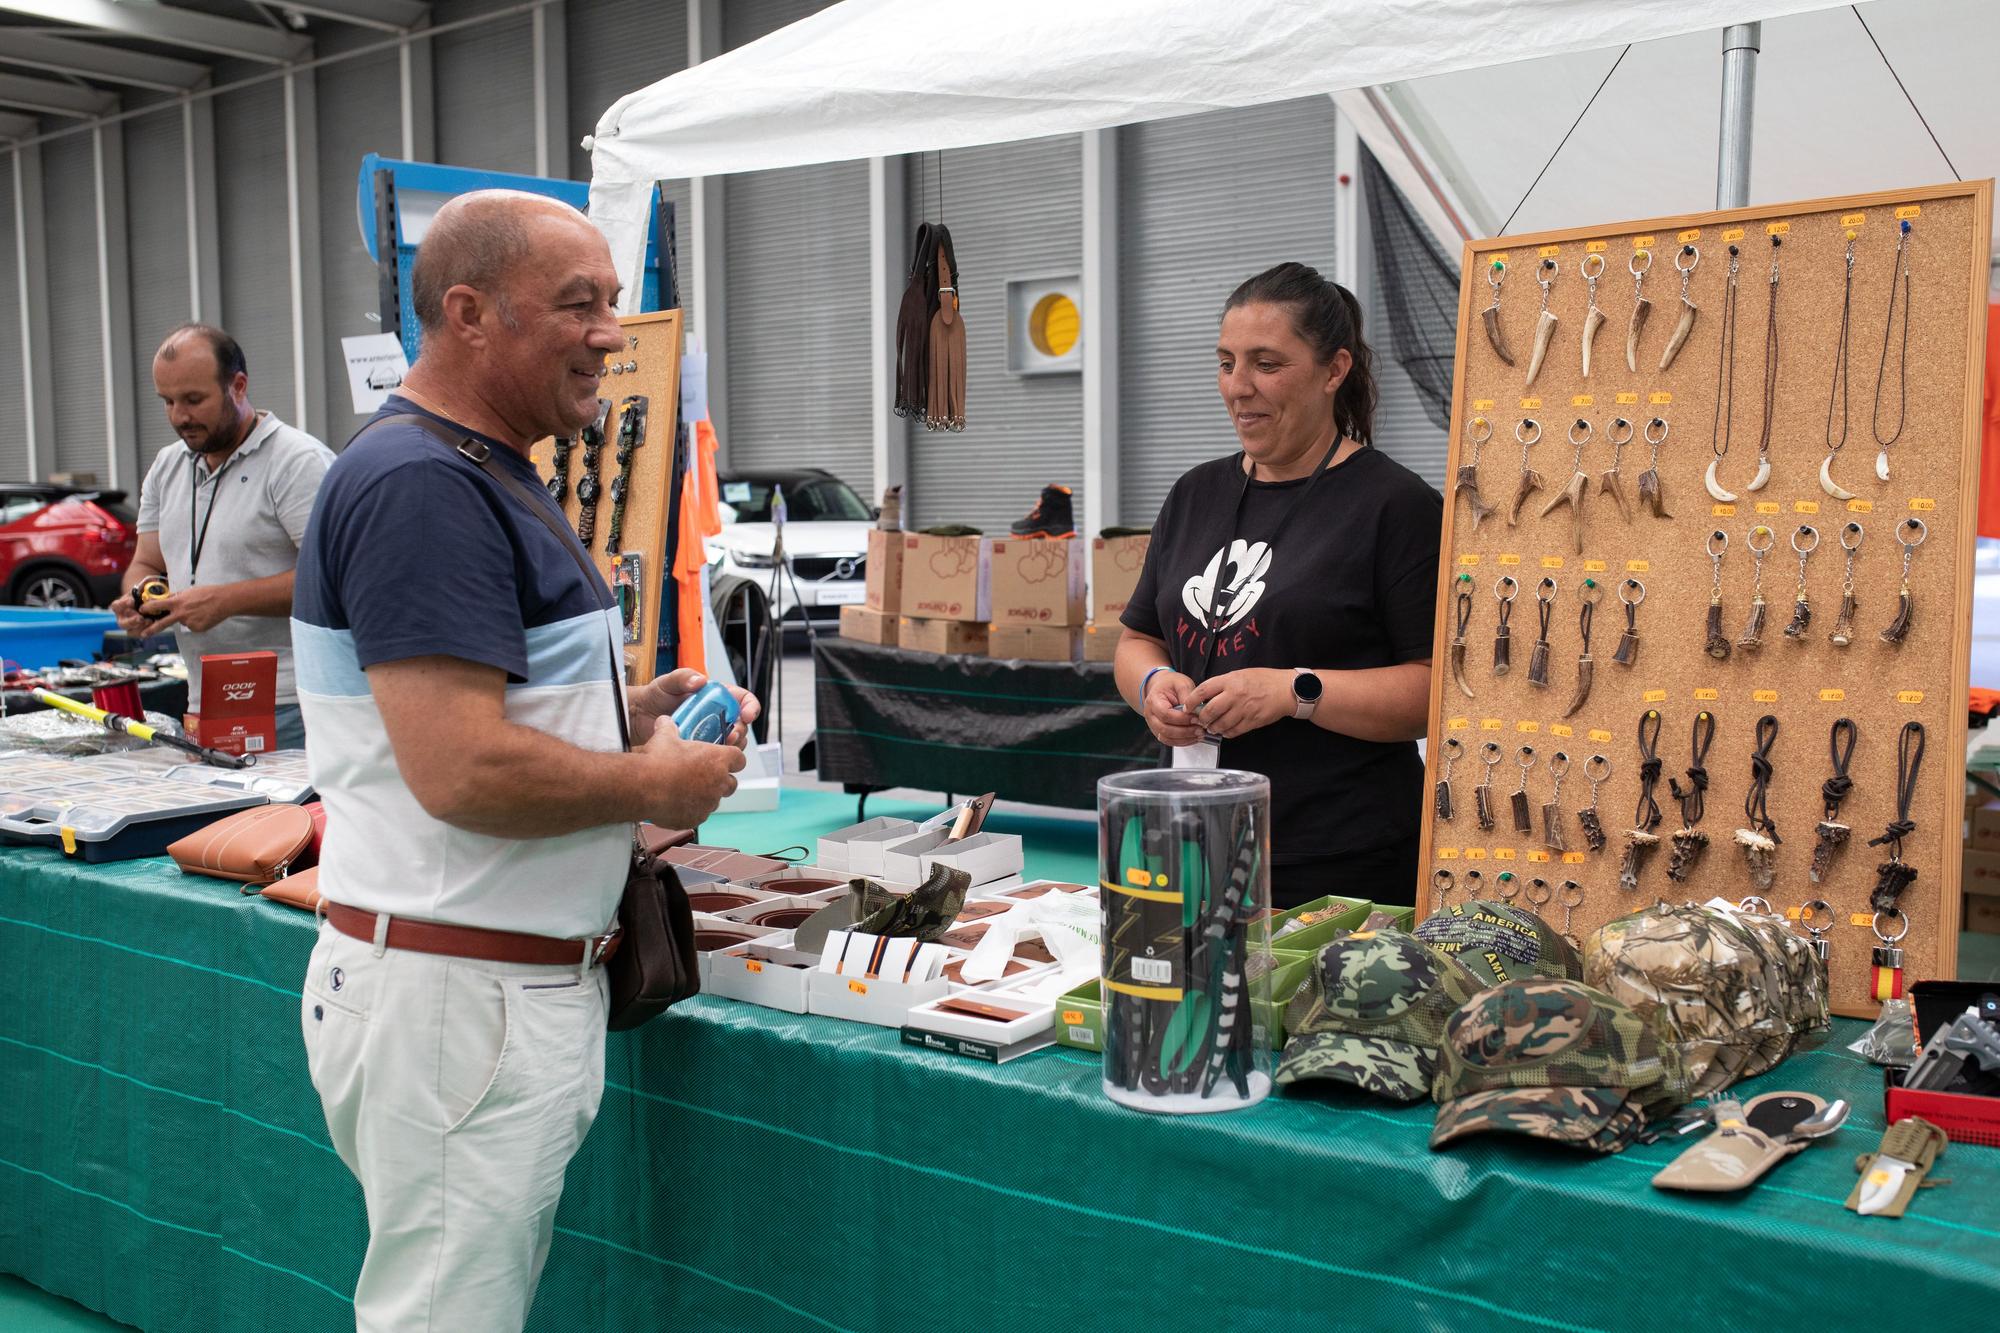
[{"x": 163, "y": 1160}]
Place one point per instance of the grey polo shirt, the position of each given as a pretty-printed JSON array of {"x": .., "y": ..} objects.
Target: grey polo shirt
[{"x": 254, "y": 509}]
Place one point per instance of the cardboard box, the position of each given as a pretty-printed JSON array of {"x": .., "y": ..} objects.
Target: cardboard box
[
  {"x": 1036, "y": 580},
  {"x": 986, "y": 857},
  {"x": 1980, "y": 873},
  {"x": 945, "y": 578},
  {"x": 1982, "y": 913},
  {"x": 1983, "y": 828},
  {"x": 941, "y": 636},
  {"x": 1035, "y": 643},
  {"x": 885, "y": 572},
  {"x": 1114, "y": 572},
  {"x": 842, "y": 849},
  {"x": 1100, "y": 642},
  {"x": 865, "y": 624},
  {"x": 238, "y": 704}
]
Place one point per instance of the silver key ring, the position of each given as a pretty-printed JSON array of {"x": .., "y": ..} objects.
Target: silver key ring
[
  {"x": 1588, "y": 272},
  {"x": 1876, "y": 925},
  {"x": 1546, "y": 892},
  {"x": 1805, "y": 529},
  {"x": 1640, "y": 270},
  {"x": 1631, "y": 583},
  {"x": 1922, "y": 532},
  {"x": 1754, "y": 904},
  {"x": 1473, "y": 425},
  {"x": 1513, "y": 588}
]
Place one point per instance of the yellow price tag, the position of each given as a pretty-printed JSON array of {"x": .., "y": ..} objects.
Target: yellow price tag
[
  {"x": 1861, "y": 919},
  {"x": 1072, "y": 1017},
  {"x": 1527, "y": 728},
  {"x": 1458, "y": 724},
  {"x": 1593, "y": 566},
  {"x": 1530, "y": 404},
  {"x": 1777, "y": 228},
  {"x": 1805, "y": 506},
  {"x": 1852, "y": 219},
  {"x": 1601, "y": 737},
  {"x": 1447, "y": 853},
  {"x": 1922, "y": 506},
  {"x": 1860, "y": 506},
  {"x": 1538, "y": 856},
  {"x": 752, "y": 965},
  {"x": 1638, "y": 566},
  {"x": 1503, "y": 853},
  {"x": 1549, "y": 251},
  {"x": 1660, "y": 397},
  {"x": 858, "y": 987},
  {"x": 1643, "y": 242},
  {"x": 1769, "y": 507},
  {"x": 1500, "y": 258},
  {"x": 1833, "y": 696},
  {"x": 1627, "y": 399},
  {"x": 1592, "y": 247},
  {"x": 1654, "y": 696},
  {"x": 1583, "y": 400},
  {"x": 1574, "y": 858},
  {"x": 1475, "y": 853},
  {"x": 1561, "y": 729},
  {"x": 1691, "y": 234},
  {"x": 1908, "y": 211},
  {"x": 1492, "y": 724},
  {"x": 1723, "y": 511},
  {"x": 1483, "y": 404},
  {"x": 1552, "y": 562},
  {"x": 1468, "y": 559},
  {"x": 1706, "y": 696},
  {"x": 1909, "y": 696},
  {"x": 1764, "y": 696},
  {"x": 1510, "y": 559}
]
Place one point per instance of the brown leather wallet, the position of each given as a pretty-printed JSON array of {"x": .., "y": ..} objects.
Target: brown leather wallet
[
  {"x": 253, "y": 846},
  {"x": 489, "y": 946},
  {"x": 299, "y": 889}
]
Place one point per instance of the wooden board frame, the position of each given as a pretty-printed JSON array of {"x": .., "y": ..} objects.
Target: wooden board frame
[
  {"x": 1934, "y": 464},
  {"x": 650, "y": 364}
]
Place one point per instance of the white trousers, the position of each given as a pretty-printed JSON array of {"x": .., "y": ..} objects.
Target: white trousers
[{"x": 456, "y": 1091}]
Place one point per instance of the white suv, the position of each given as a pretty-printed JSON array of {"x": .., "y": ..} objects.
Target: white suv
[{"x": 826, "y": 540}]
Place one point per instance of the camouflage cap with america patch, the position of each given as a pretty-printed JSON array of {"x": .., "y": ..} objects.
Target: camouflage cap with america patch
[
  {"x": 1372, "y": 1012},
  {"x": 1501, "y": 942}
]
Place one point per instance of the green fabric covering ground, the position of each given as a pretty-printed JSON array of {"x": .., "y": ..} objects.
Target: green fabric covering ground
[{"x": 163, "y": 1159}]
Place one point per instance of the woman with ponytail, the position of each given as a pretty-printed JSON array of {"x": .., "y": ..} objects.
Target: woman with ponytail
[{"x": 1282, "y": 622}]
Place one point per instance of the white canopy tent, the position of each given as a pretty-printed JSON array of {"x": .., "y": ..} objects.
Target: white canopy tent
[{"x": 1439, "y": 89}]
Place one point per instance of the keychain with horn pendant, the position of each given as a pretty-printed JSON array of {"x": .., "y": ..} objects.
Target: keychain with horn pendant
[
  {"x": 1689, "y": 841},
  {"x": 1910, "y": 534},
  {"x": 1650, "y": 496},
  {"x": 1688, "y": 310},
  {"x": 1463, "y": 585},
  {"x": 1837, "y": 395},
  {"x": 1753, "y": 630},
  {"x": 1579, "y": 482},
  {"x": 1504, "y": 592},
  {"x": 1832, "y": 834},
  {"x": 1586, "y": 670},
  {"x": 1529, "y": 433},
  {"x": 1598, "y": 770},
  {"x": 1538, "y": 659},
  {"x": 1545, "y": 325},
  {"x": 1482, "y": 795},
  {"x": 1895, "y": 875},
  {"x": 1805, "y": 540},
  {"x": 1495, "y": 275},
  {"x": 1717, "y": 646},
  {"x": 1594, "y": 320},
  {"x": 1640, "y": 840},
  {"x": 1640, "y": 262},
  {"x": 1843, "y": 627},
  {"x": 1760, "y": 840},
  {"x": 1608, "y": 482},
  {"x": 1552, "y": 815},
  {"x": 1628, "y": 642},
  {"x": 1452, "y": 751},
  {"x": 1524, "y": 817},
  {"x": 1900, "y": 271},
  {"x": 1722, "y": 430},
  {"x": 1466, "y": 480}
]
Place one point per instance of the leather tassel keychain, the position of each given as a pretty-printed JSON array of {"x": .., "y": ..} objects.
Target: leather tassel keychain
[
  {"x": 1463, "y": 593},
  {"x": 1717, "y": 646},
  {"x": 1685, "y": 326},
  {"x": 1805, "y": 540},
  {"x": 1760, "y": 839},
  {"x": 1592, "y": 269},
  {"x": 1650, "y": 495},
  {"x": 1524, "y": 815},
  {"x": 1505, "y": 590},
  {"x": 1831, "y": 833},
  {"x": 1843, "y": 628},
  {"x": 1895, "y": 875},
  {"x": 1597, "y": 769},
  {"x": 1545, "y": 324},
  {"x": 1482, "y": 795},
  {"x": 1628, "y": 642},
  {"x": 1608, "y": 482},
  {"x": 1722, "y": 429},
  {"x": 1586, "y": 670},
  {"x": 1552, "y": 815},
  {"x": 1529, "y": 433},
  {"x": 1466, "y": 480},
  {"x": 1639, "y": 263},
  {"x": 1910, "y": 534},
  {"x": 945, "y": 408},
  {"x": 1837, "y": 395},
  {"x": 1496, "y": 275},
  {"x": 1579, "y": 482},
  {"x": 1538, "y": 658},
  {"x": 1453, "y": 750},
  {"x": 1753, "y": 629},
  {"x": 1689, "y": 841},
  {"x": 1640, "y": 840},
  {"x": 1899, "y": 279}
]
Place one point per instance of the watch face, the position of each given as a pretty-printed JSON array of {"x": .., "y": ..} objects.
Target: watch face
[{"x": 1307, "y": 687}]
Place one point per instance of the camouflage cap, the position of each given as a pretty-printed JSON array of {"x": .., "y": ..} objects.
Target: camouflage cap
[
  {"x": 1543, "y": 1033},
  {"x": 1596, "y": 1119},
  {"x": 1372, "y": 1013},
  {"x": 1732, "y": 991},
  {"x": 1501, "y": 942}
]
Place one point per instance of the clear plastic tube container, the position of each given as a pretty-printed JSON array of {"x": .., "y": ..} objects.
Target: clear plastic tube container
[{"x": 1185, "y": 890}]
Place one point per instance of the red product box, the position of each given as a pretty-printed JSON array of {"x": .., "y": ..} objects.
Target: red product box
[{"x": 239, "y": 701}]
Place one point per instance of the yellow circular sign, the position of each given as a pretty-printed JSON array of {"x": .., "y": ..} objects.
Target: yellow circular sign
[{"x": 1054, "y": 324}]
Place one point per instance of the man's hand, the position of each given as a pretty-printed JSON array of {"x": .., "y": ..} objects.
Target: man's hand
[
  {"x": 132, "y": 620},
  {"x": 1242, "y": 701},
  {"x": 1167, "y": 712},
  {"x": 200, "y": 608},
  {"x": 657, "y": 700},
  {"x": 690, "y": 778}
]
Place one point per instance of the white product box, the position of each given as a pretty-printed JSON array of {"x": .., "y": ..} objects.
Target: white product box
[
  {"x": 704, "y": 921},
  {"x": 984, "y": 856},
  {"x": 1036, "y": 1016},
  {"x": 855, "y": 849},
  {"x": 781, "y": 980}
]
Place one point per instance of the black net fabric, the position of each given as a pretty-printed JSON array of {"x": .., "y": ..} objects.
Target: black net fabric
[{"x": 1418, "y": 288}]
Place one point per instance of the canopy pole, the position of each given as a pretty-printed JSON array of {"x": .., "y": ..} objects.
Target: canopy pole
[{"x": 1740, "y": 43}]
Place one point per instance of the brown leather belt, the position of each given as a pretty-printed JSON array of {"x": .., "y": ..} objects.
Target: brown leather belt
[{"x": 489, "y": 946}]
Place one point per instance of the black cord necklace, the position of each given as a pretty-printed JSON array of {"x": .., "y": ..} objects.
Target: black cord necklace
[
  {"x": 1893, "y": 875},
  {"x": 1899, "y": 280}
]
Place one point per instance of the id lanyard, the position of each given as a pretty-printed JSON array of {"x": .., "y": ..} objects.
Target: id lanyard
[{"x": 198, "y": 533}]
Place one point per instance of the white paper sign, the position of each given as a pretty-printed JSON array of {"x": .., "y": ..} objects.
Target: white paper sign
[
  {"x": 375, "y": 367},
  {"x": 694, "y": 387}
]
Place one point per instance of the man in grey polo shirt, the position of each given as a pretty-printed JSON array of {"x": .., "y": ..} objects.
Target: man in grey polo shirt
[{"x": 221, "y": 516}]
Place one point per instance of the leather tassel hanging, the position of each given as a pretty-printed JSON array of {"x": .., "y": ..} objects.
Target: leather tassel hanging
[
  {"x": 1504, "y": 593},
  {"x": 945, "y": 408},
  {"x": 913, "y": 327},
  {"x": 1538, "y": 659},
  {"x": 1689, "y": 841},
  {"x": 1832, "y": 835},
  {"x": 1628, "y": 642}
]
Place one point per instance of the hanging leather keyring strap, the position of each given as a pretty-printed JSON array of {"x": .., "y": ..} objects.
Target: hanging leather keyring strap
[
  {"x": 1756, "y": 808},
  {"x": 1909, "y": 757},
  {"x": 655, "y": 965},
  {"x": 1840, "y": 743},
  {"x": 1691, "y": 798},
  {"x": 1647, "y": 817}
]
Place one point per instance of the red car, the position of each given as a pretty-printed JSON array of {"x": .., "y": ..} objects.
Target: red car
[{"x": 63, "y": 546}]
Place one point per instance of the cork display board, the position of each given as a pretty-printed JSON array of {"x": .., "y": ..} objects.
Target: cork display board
[
  {"x": 1805, "y": 681},
  {"x": 649, "y": 368}
]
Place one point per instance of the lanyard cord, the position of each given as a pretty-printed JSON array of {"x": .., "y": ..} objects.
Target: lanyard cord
[
  {"x": 1691, "y": 799},
  {"x": 1755, "y": 807},
  {"x": 198, "y": 534},
  {"x": 1648, "y": 816},
  {"x": 1909, "y": 755},
  {"x": 1834, "y": 790}
]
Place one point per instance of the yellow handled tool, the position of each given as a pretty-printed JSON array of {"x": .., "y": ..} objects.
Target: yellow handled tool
[{"x": 115, "y": 722}]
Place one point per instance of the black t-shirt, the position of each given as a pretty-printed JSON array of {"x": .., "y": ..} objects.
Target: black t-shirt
[{"x": 1351, "y": 584}]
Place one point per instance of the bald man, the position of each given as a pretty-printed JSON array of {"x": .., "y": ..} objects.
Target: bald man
[{"x": 455, "y": 666}]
